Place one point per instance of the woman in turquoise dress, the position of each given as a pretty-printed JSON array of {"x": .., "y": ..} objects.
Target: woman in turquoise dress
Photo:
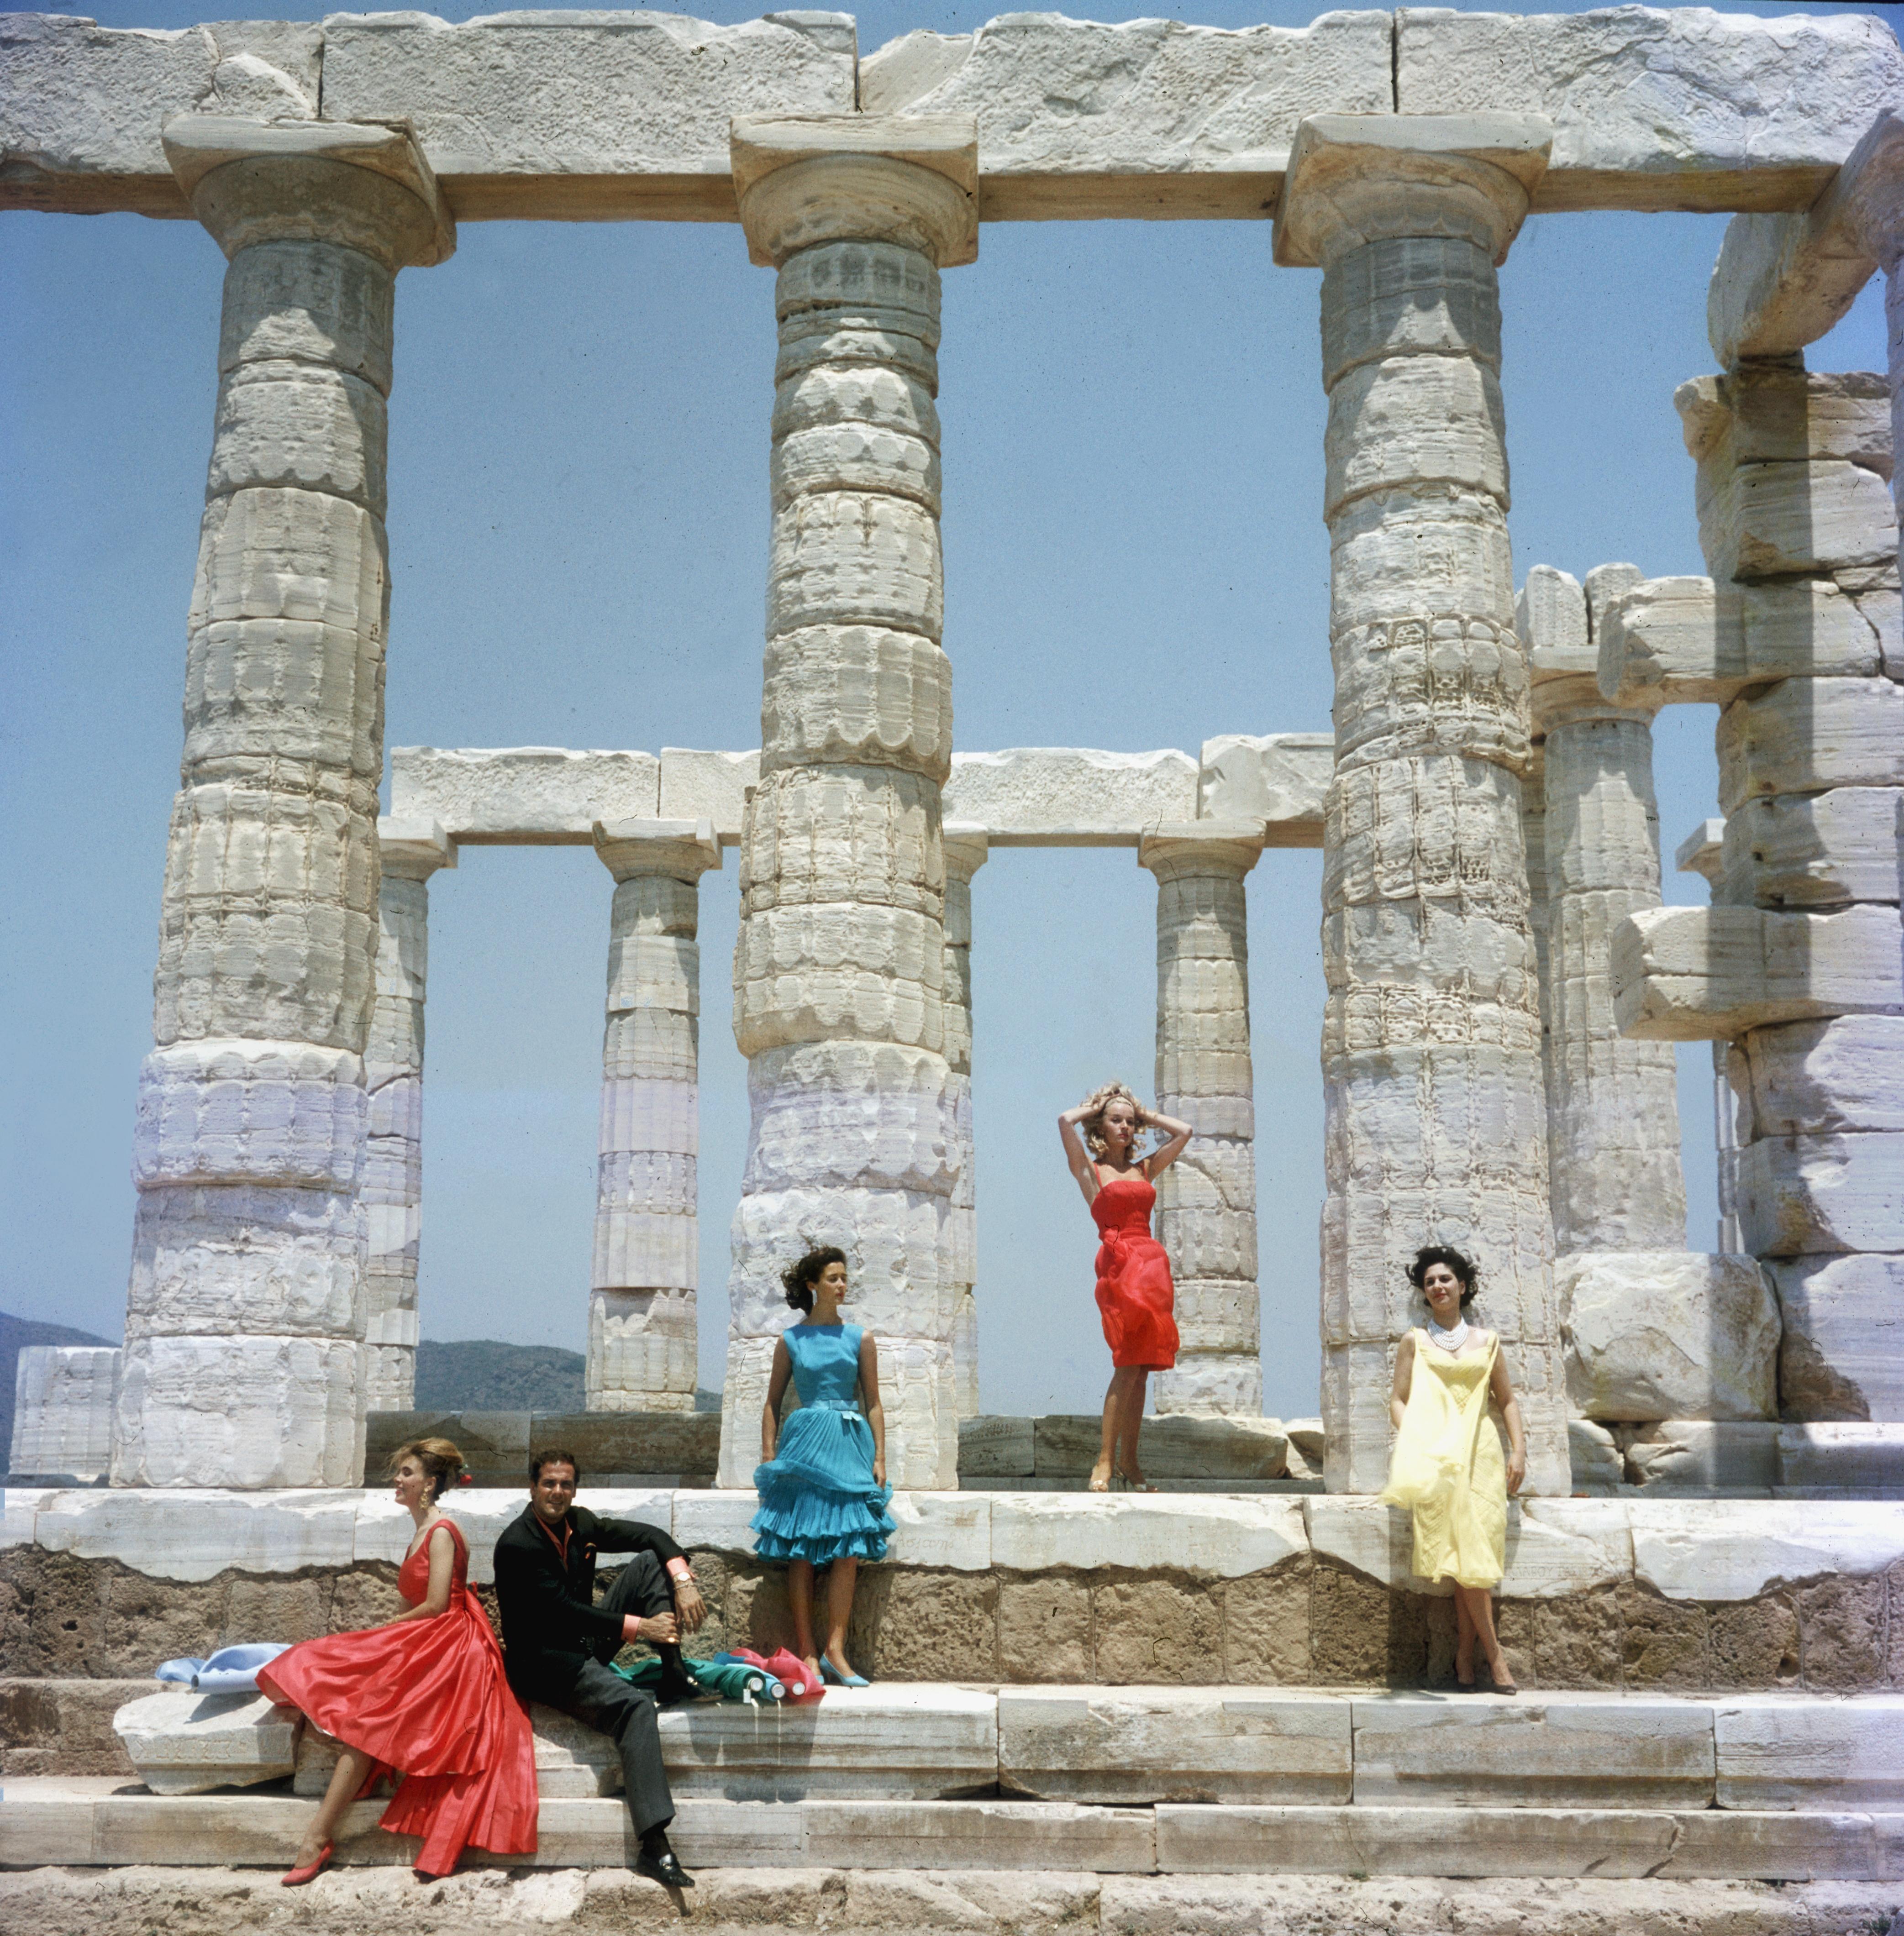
[{"x": 822, "y": 1478}]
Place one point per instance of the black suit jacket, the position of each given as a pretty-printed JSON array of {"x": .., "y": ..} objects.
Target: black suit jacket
[{"x": 551, "y": 1625}]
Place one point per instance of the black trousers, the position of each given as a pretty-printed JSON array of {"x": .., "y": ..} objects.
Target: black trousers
[{"x": 600, "y": 1699}]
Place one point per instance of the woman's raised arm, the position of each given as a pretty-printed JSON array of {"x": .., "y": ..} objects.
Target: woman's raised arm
[
  {"x": 1176, "y": 1135},
  {"x": 1075, "y": 1155}
]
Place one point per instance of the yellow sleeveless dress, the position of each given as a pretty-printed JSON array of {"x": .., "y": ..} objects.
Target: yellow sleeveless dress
[{"x": 1449, "y": 1469}]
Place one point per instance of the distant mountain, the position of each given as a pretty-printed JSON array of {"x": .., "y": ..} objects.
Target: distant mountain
[
  {"x": 16, "y": 1333},
  {"x": 483, "y": 1375}
]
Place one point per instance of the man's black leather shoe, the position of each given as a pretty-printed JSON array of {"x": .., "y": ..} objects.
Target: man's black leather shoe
[
  {"x": 664, "y": 1868},
  {"x": 673, "y": 1689}
]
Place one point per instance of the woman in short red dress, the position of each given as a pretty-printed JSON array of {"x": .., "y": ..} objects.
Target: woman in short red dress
[
  {"x": 423, "y": 1697},
  {"x": 1134, "y": 1292}
]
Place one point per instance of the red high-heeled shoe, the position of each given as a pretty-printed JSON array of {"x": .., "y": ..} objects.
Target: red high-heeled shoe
[{"x": 308, "y": 1872}]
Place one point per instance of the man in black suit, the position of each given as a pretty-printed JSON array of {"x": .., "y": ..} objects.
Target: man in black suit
[{"x": 558, "y": 1642}]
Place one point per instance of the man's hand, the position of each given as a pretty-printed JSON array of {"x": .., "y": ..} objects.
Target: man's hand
[
  {"x": 690, "y": 1609},
  {"x": 658, "y": 1631}
]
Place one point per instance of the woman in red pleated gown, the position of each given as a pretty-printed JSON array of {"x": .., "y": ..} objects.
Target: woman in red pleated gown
[
  {"x": 423, "y": 1697},
  {"x": 1135, "y": 1295}
]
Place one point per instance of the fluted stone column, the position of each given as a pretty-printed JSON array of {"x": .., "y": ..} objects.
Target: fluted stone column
[
  {"x": 967, "y": 851},
  {"x": 840, "y": 966},
  {"x": 392, "y": 1187},
  {"x": 1207, "y": 1199},
  {"x": 643, "y": 1345},
  {"x": 1614, "y": 1168},
  {"x": 245, "y": 1320},
  {"x": 1435, "y": 1117}
]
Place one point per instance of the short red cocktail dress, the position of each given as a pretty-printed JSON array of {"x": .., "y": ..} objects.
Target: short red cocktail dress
[
  {"x": 429, "y": 1701},
  {"x": 1135, "y": 1294}
]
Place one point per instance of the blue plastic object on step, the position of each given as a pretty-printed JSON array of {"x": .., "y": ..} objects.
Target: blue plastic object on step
[{"x": 231, "y": 1670}]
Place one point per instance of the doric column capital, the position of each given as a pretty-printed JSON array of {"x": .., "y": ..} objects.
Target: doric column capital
[
  {"x": 1354, "y": 179},
  {"x": 368, "y": 188},
  {"x": 968, "y": 849},
  {"x": 912, "y": 180},
  {"x": 1175, "y": 850},
  {"x": 682, "y": 850},
  {"x": 412, "y": 850}
]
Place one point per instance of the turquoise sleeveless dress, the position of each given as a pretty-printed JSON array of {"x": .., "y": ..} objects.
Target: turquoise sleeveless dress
[{"x": 819, "y": 1500}]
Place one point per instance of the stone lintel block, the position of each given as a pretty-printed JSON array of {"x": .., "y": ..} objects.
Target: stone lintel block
[
  {"x": 413, "y": 849},
  {"x": 1065, "y": 1447},
  {"x": 1550, "y": 1749},
  {"x": 1774, "y": 1752},
  {"x": 184, "y": 1743},
  {"x": 1129, "y": 1745},
  {"x": 683, "y": 850},
  {"x": 1853, "y": 1457},
  {"x": 1701, "y": 1453},
  {"x": 522, "y": 796},
  {"x": 1349, "y": 177},
  {"x": 1278, "y": 779},
  {"x": 1554, "y": 1546},
  {"x": 1061, "y": 797},
  {"x": 83, "y": 104},
  {"x": 587, "y": 117},
  {"x": 200, "y": 147},
  {"x": 1550, "y": 612},
  {"x": 1736, "y": 1549},
  {"x": 1083, "y": 119},
  {"x": 1661, "y": 108},
  {"x": 1667, "y": 1334},
  {"x": 711, "y": 786},
  {"x": 912, "y": 180},
  {"x": 1706, "y": 974},
  {"x": 1701, "y": 851},
  {"x": 1783, "y": 281},
  {"x": 1032, "y": 1532}
]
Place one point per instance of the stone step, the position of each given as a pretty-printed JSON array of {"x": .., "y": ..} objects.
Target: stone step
[
  {"x": 82, "y": 1821},
  {"x": 1103, "y": 1746}
]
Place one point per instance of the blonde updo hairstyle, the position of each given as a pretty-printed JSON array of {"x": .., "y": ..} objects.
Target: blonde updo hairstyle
[
  {"x": 1096, "y": 1102},
  {"x": 442, "y": 1463}
]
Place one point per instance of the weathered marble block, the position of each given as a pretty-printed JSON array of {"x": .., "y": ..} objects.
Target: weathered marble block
[
  {"x": 1816, "y": 851},
  {"x": 1129, "y": 1745},
  {"x": 1800, "y": 1195},
  {"x": 1853, "y": 1458},
  {"x": 1702, "y": 1452},
  {"x": 1843, "y": 1353},
  {"x": 1668, "y": 1334},
  {"x": 1805, "y": 735},
  {"x": 1548, "y": 1751},
  {"x": 1776, "y": 1753},
  {"x": 184, "y": 1743},
  {"x": 63, "y": 1411},
  {"x": 1684, "y": 974},
  {"x": 1280, "y": 778}
]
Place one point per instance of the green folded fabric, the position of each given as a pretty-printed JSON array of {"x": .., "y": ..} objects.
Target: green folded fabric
[{"x": 731, "y": 1681}]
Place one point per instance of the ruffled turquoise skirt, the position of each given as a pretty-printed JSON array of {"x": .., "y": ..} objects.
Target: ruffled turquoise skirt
[{"x": 819, "y": 1500}]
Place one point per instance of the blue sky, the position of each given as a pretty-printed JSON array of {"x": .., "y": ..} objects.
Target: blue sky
[{"x": 1135, "y": 558}]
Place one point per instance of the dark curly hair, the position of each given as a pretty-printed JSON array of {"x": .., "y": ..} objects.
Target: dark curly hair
[
  {"x": 1465, "y": 1272},
  {"x": 800, "y": 1278}
]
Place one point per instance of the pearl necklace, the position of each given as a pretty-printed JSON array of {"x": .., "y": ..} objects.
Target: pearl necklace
[{"x": 1449, "y": 1341}]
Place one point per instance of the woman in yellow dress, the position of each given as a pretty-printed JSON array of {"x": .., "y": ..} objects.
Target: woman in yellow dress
[{"x": 1448, "y": 1465}]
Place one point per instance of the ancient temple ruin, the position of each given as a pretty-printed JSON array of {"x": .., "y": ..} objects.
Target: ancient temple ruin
[{"x": 1503, "y": 984}]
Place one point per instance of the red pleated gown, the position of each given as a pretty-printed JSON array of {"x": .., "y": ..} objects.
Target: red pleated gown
[
  {"x": 427, "y": 1700},
  {"x": 1135, "y": 1295}
]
